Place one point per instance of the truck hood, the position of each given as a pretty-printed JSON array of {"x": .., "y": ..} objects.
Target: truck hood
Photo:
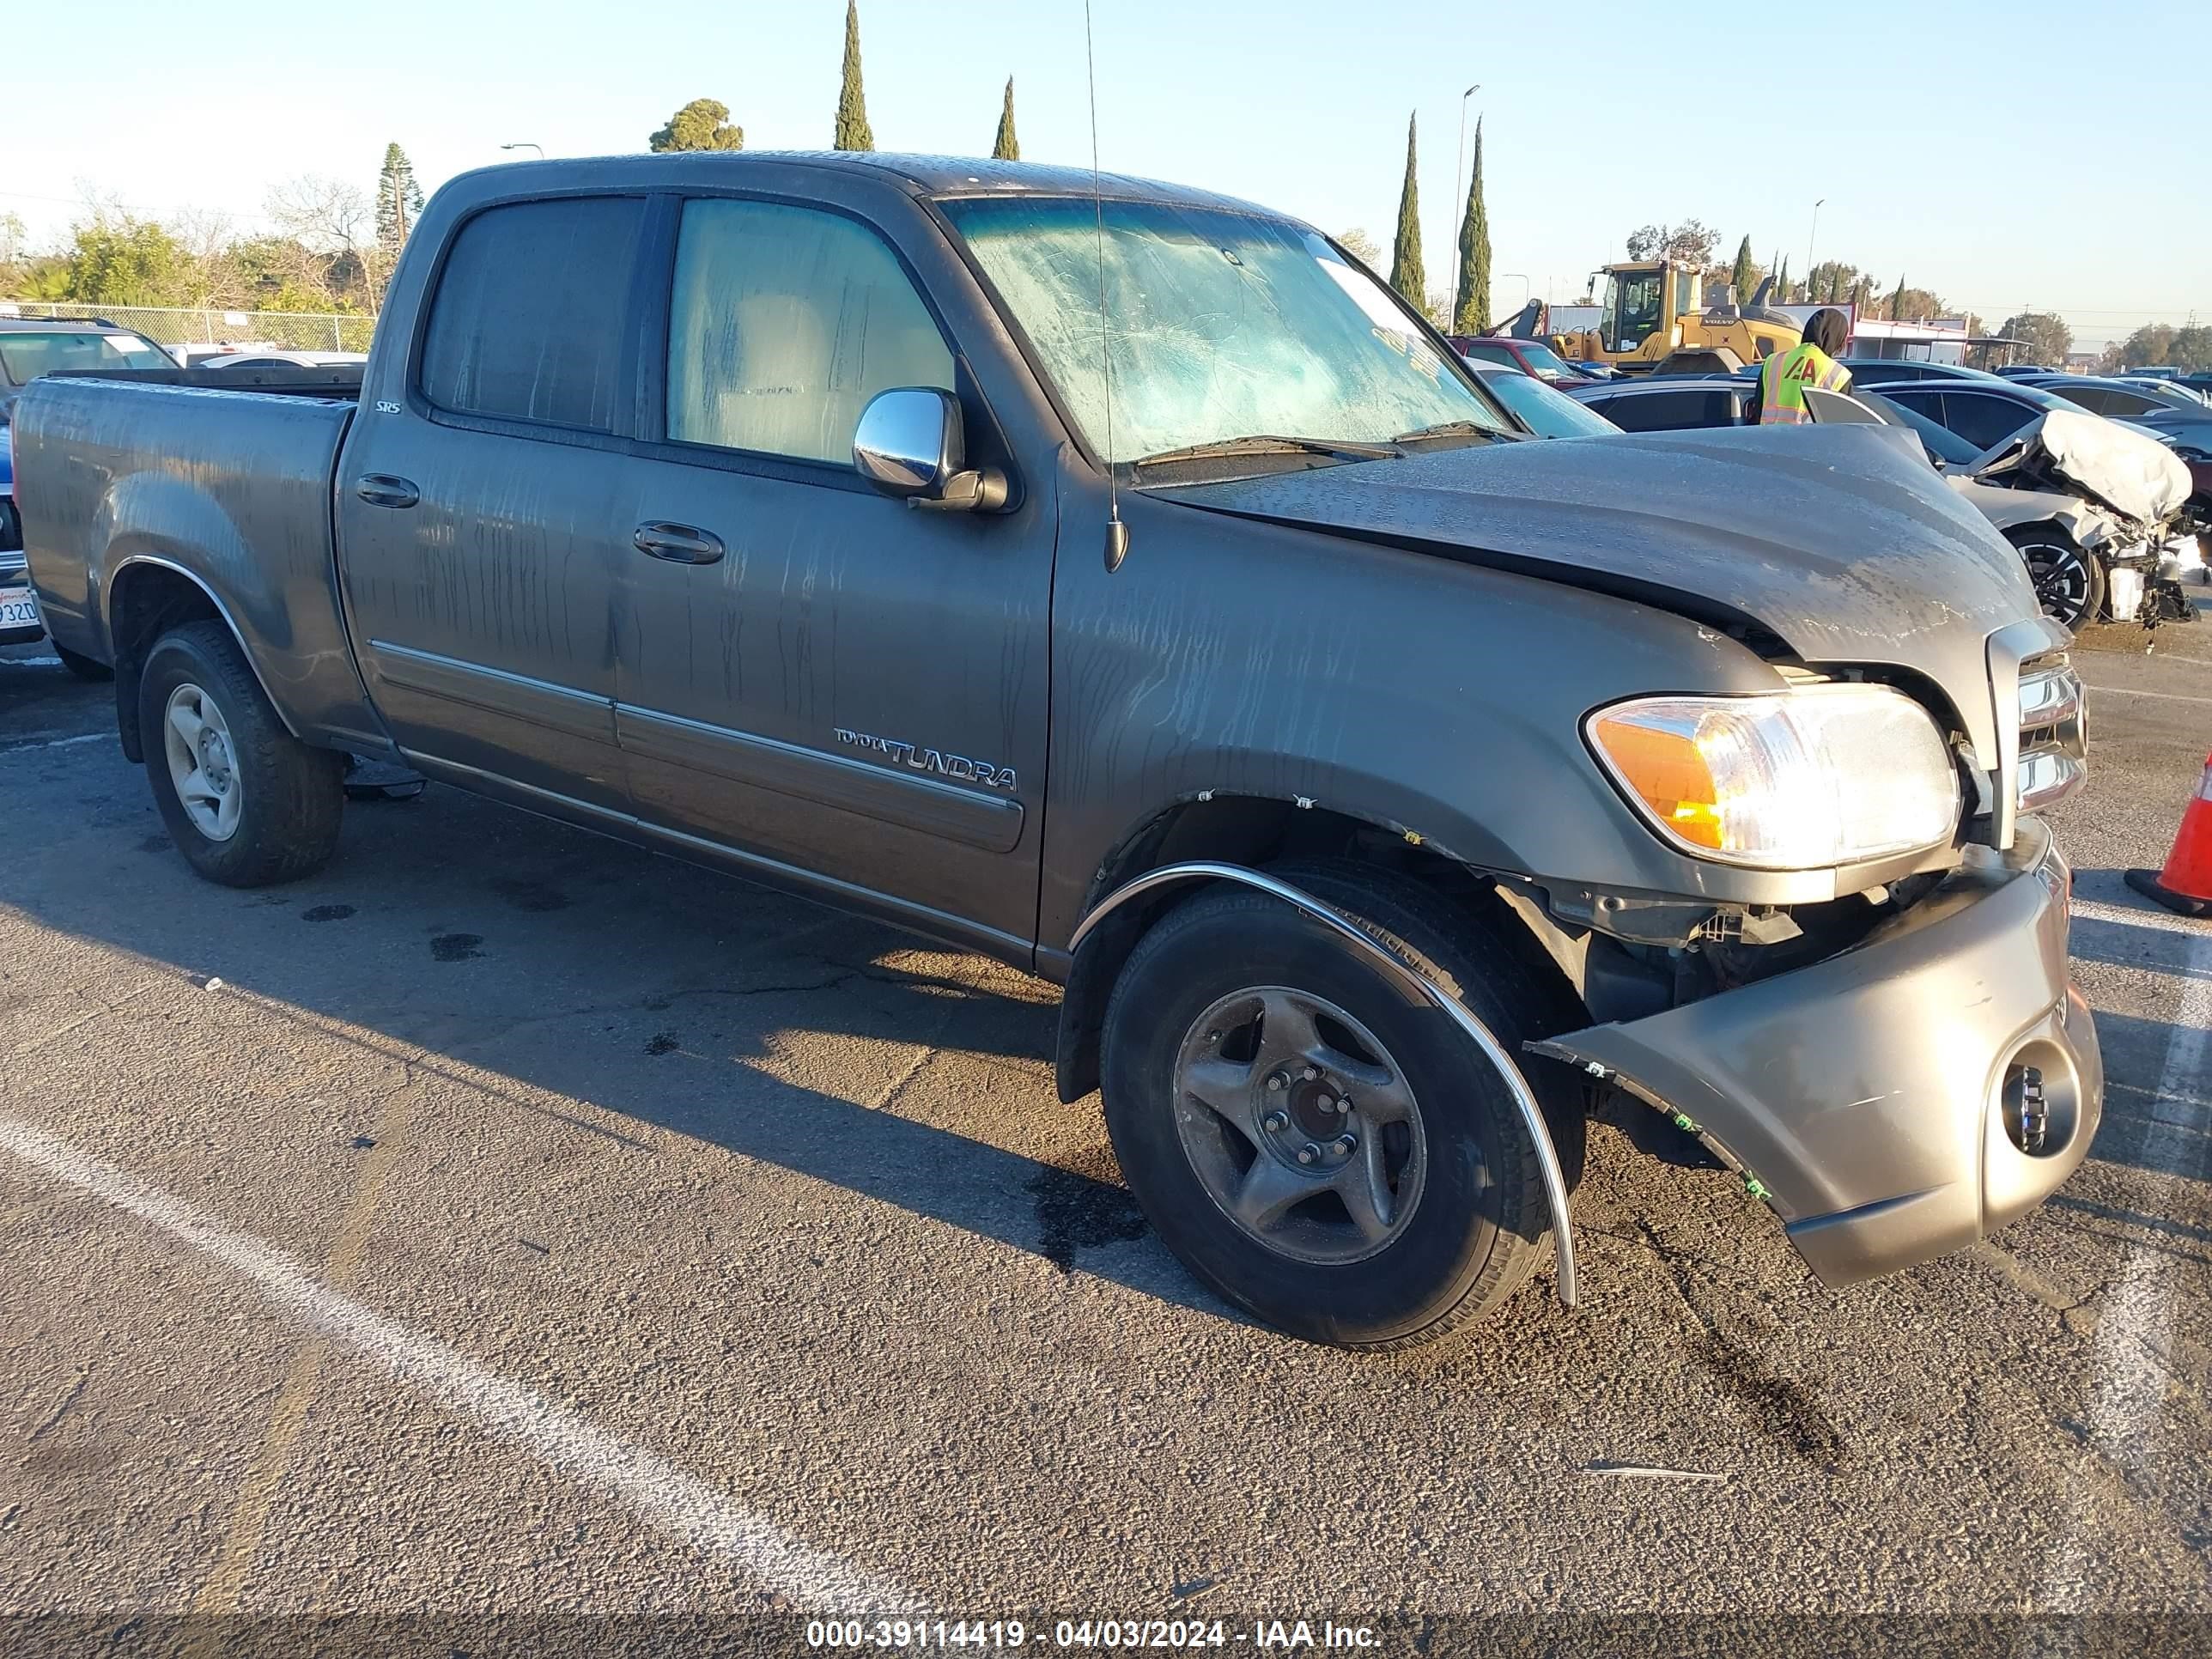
[
  {"x": 2136, "y": 476},
  {"x": 1840, "y": 540}
]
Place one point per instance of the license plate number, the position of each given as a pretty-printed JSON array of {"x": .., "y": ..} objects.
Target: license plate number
[{"x": 18, "y": 610}]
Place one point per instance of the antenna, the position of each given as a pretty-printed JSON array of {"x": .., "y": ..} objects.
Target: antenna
[{"x": 1117, "y": 533}]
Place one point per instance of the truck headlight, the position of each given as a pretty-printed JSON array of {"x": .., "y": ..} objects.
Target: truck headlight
[{"x": 1806, "y": 779}]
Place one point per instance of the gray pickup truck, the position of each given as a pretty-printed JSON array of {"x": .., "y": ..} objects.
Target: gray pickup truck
[{"x": 1381, "y": 786}]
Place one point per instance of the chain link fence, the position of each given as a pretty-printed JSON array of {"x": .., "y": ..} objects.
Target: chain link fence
[{"x": 169, "y": 326}]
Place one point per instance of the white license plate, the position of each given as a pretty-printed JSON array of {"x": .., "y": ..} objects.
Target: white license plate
[{"x": 19, "y": 611}]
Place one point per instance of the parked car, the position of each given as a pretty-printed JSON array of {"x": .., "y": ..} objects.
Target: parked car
[
  {"x": 1528, "y": 356},
  {"x": 2080, "y": 496},
  {"x": 233, "y": 361},
  {"x": 1886, "y": 371},
  {"x": 31, "y": 348},
  {"x": 1329, "y": 741},
  {"x": 2152, "y": 404},
  {"x": 1544, "y": 409}
]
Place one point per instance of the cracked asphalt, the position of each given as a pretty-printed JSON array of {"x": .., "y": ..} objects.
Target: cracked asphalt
[{"x": 504, "y": 1219}]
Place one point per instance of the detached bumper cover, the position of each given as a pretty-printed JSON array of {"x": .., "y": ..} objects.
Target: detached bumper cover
[{"x": 1869, "y": 1094}]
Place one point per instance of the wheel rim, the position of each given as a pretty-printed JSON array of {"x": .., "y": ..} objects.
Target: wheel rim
[
  {"x": 1300, "y": 1125},
  {"x": 2061, "y": 575},
  {"x": 202, "y": 763}
]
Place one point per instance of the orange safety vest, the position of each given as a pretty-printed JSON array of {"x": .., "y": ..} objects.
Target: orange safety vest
[{"x": 1784, "y": 376}]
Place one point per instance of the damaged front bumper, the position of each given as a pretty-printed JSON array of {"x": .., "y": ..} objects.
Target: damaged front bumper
[{"x": 1901, "y": 1099}]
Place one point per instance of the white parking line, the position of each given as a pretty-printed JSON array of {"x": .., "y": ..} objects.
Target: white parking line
[
  {"x": 2141, "y": 915},
  {"x": 2131, "y": 691},
  {"x": 56, "y": 743},
  {"x": 2137, "y": 1327},
  {"x": 678, "y": 1501}
]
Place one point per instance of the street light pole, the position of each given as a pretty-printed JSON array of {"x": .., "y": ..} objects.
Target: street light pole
[
  {"x": 526, "y": 145},
  {"x": 1459, "y": 188},
  {"x": 1810, "y": 236}
]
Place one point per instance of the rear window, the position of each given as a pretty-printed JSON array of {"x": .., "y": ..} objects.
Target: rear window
[
  {"x": 25, "y": 356},
  {"x": 525, "y": 323}
]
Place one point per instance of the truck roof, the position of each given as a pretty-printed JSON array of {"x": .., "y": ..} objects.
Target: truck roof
[{"x": 930, "y": 175}]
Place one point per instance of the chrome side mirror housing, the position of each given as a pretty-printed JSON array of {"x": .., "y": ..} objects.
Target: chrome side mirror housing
[{"x": 911, "y": 444}]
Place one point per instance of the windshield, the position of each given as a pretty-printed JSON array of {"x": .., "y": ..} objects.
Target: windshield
[
  {"x": 1224, "y": 326},
  {"x": 27, "y": 356},
  {"x": 1547, "y": 413},
  {"x": 1542, "y": 360}
]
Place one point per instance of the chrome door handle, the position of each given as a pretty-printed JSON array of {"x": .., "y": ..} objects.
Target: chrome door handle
[
  {"x": 679, "y": 544},
  {"x": 382, "y": 489}
]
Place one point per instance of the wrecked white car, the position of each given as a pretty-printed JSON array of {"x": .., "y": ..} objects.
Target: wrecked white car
[{"x": 2090, "y": 505}]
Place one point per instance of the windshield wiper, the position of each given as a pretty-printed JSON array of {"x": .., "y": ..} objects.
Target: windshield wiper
[
  {"x": 1267, "y": 443},
  {"x": 1449, "y": 430}
]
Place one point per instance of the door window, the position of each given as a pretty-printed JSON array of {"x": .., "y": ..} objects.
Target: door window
[
  {"x": 1638, "y": 313},
  {"x": 1670, "y": 411},
  {"x": 526, "y": 324},
  {"x": 784, "y": 322},
  {"x": 1983, "y": 420}
]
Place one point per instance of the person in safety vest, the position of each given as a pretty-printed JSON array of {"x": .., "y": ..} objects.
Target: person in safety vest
[{"x": 1783, "y": 377}]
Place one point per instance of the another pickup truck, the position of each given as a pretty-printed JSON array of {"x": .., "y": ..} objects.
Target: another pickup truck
[{"x": 1380, "y": 785}]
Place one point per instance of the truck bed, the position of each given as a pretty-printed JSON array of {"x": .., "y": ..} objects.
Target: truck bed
[{"x": 213, "y": 478}]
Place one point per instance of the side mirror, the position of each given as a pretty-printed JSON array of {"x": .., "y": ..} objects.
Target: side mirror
[{"x": 911, "y": 444}]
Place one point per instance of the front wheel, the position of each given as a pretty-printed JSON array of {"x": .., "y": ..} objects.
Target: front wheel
[
  {"x": 2069, "y": 580},
  {"x": 1341, "y": 1162},
  {"x": 247, "y": 803}
]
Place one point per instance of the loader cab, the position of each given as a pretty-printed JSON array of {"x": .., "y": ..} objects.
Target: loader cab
[{"x": 1643, "y": 300}]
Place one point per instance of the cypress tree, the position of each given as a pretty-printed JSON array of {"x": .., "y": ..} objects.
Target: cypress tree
[
  {"x": 1472, "y": 315},
  {"x": 1746, "y": 273},
  {"x": 1007, "y": 146},
  {"x": 1897, "y": 300},
  {"x": 853, "y": 131},
  {"x": 1782, "y": 285},
  {"x": 1407, "y": 276}
]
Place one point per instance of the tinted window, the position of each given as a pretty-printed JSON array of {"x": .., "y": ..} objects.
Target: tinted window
[
  {"x": 1983, "y": 420},
  {"x": 26, "y": 356},
  {"x": 1491, "y": 354},
  {"x": 2111, "y": 400},
  {"x": 1882, "y": 373},
  {"x": 1547, "y": 413},
  {"x": 1670, "y": 411},
  {"x": 526, "y": 322},
  {"x": 786, "y": 322}
]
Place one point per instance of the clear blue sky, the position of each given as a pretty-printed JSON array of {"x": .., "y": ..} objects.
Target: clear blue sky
[{"x": 2003, "y": 154}]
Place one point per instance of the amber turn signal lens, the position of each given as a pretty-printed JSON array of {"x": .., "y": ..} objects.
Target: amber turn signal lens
[{"x": 1667, "y": 773}]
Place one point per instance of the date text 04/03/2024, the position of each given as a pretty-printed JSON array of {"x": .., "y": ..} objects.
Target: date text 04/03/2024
[{"x": 1111, "y": 1634}]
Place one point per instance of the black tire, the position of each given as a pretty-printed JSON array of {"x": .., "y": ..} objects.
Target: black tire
[
  {"x": 1481, "y": 1223},
  {"x": 291, "y": 795},
  {"x": 2069, "y": 581},
  {"x": 84, "y": 667}
]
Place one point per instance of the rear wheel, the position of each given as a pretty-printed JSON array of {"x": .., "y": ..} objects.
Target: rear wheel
[
  {"x": 1338, "y": 1161},
  {"x": 2069, "y": 581},
  {"x": 247, "y": 804}
]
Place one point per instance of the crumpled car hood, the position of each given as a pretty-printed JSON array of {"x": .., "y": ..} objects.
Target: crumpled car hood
[
  {"x": 1840, "y": 539},
  {"x": 2136, "y": 476}
]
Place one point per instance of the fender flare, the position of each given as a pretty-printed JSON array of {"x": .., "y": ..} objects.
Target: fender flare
[{"x": 1524, "y": 1098}]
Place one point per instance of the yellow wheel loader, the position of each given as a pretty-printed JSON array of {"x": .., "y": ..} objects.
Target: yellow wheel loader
[{"x": 1653, "y": 308}]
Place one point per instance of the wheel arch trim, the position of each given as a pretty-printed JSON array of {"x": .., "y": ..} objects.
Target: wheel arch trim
[
  {"x": 222, "y": 610},
  {"x": 1524, "y": 1098}
]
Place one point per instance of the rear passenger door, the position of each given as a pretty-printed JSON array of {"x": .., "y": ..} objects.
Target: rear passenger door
[
  {"x": 482, "y": 523},
  {"x": 840, "y": 690}
]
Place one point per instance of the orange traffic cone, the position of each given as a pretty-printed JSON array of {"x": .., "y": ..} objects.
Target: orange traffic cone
[{"x": 2185, "y": 883}]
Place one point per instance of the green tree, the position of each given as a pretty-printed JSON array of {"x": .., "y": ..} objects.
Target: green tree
[
  {"x": 1744, "y": 275},
  {"x": 1472, "y": 313},
  {"x": 2048, "y": 338},
  {"x": 1782, "y": 283},
  {"x": 1690, "y": 243},
  {"x": 853, "y": 130},
  {"x": 398, "y": 200},
  {"x": 117, "y": 261},
  {"x": 703, "y": 124},
  {"x": 1006, "y": 147},
  {"x": 1407, "y": 275},
  {"x": 1897, "y": 300}
]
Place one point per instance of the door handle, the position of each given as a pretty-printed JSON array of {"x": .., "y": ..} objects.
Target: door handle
[
  {"x": 679, "y": 544},
  {"x": 382, "y": 489}
]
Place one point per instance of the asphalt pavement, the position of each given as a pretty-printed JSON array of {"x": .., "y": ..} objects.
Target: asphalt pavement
[{"x": 504, "y": 1219}]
